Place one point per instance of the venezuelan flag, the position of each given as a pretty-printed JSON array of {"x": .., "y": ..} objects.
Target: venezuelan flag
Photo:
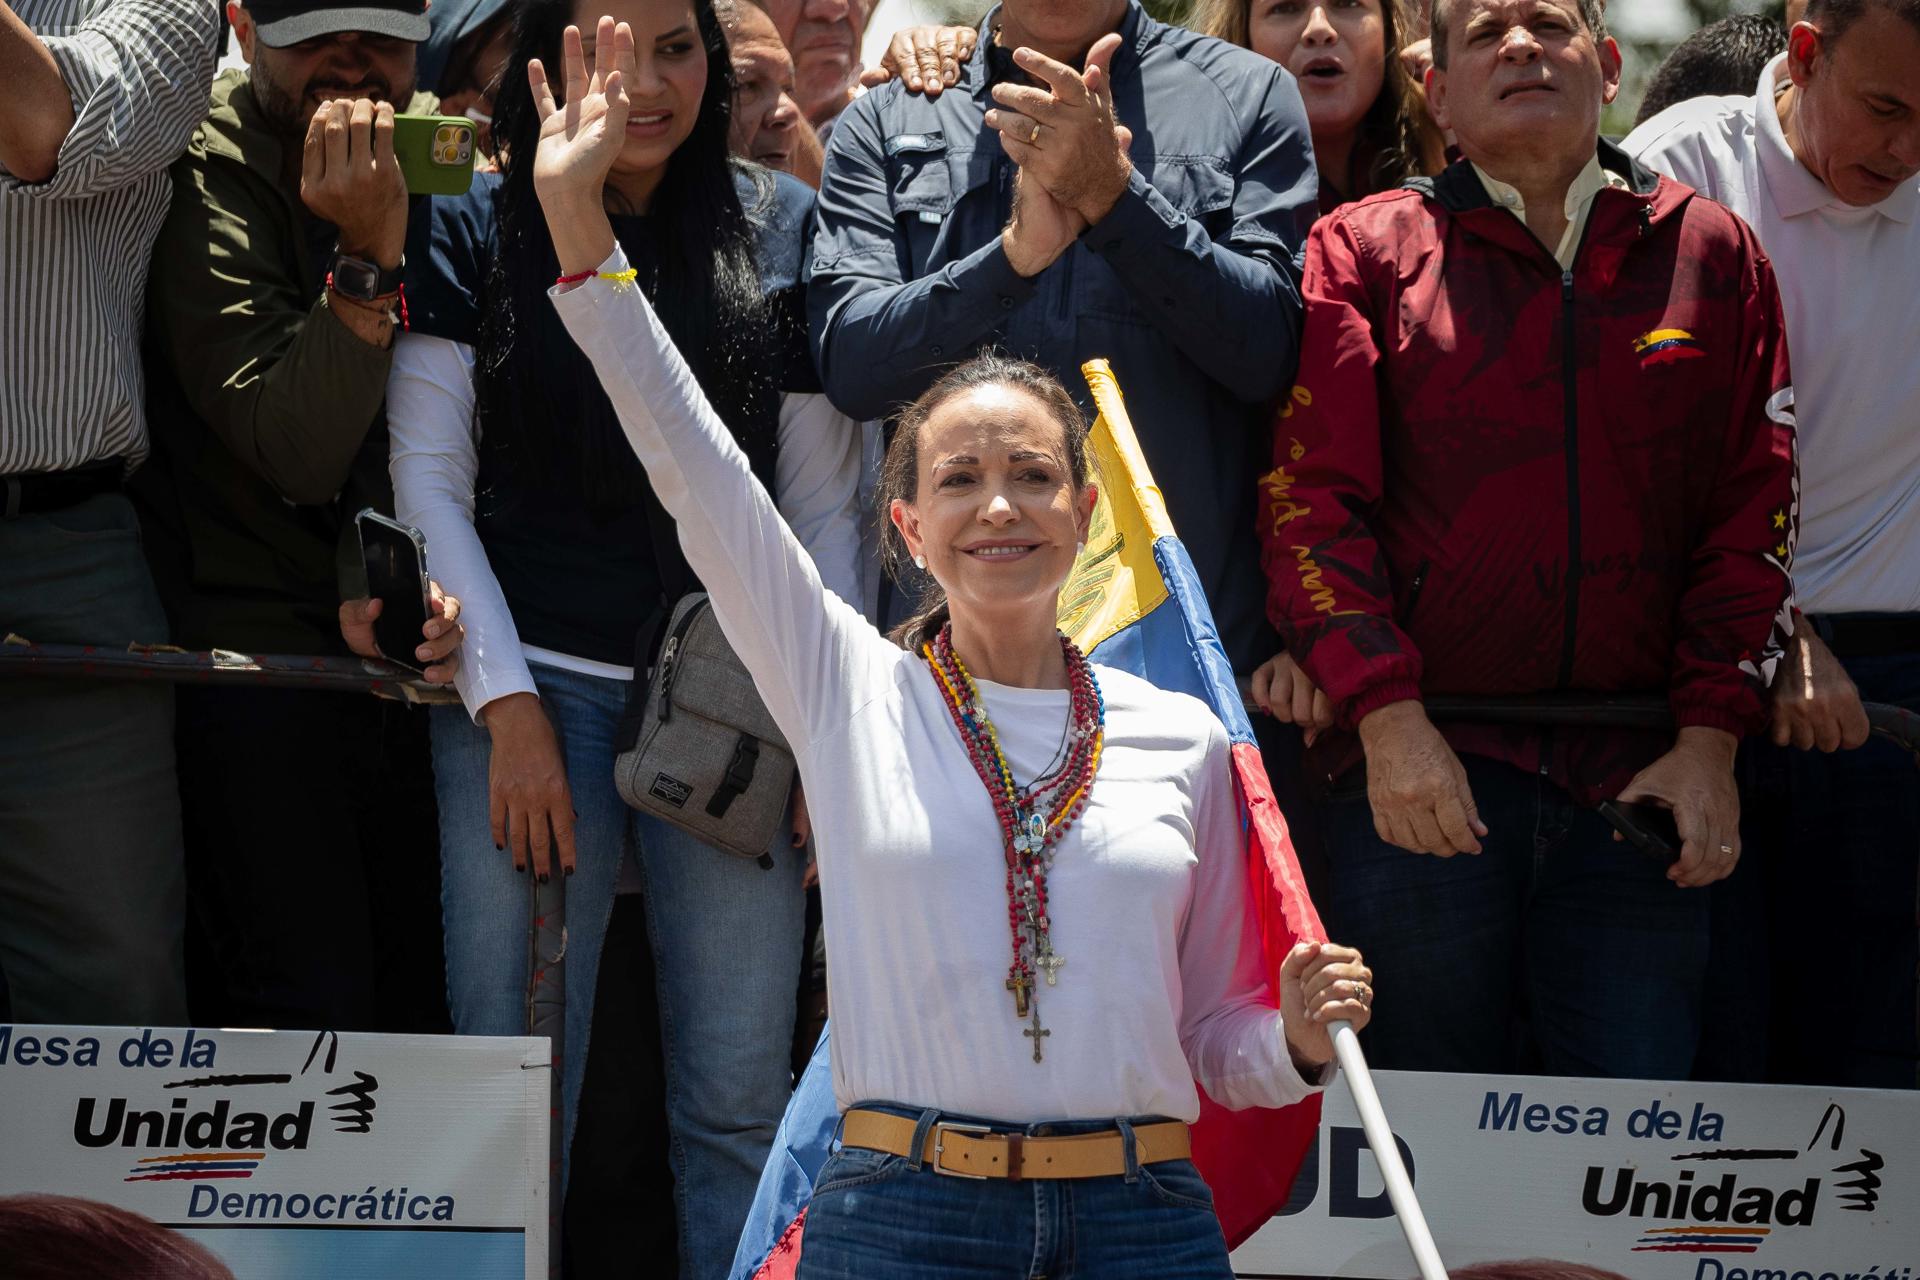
[{"x": 1133, "y": 601}]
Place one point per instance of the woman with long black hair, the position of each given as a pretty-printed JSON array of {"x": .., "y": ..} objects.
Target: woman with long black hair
[{"x": 508, "y": 456}]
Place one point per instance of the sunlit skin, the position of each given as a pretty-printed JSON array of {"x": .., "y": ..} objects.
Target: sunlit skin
[
  {"x": 1522, "y": 91},
  {"x": 824, "y": 38},
  {"x": 766, "y": 118},
  {"x": 1852, "y": 115},
  {"x": 998, "y": 517},
  {"x": 290, "y": 84},
  {"x": 664, "y": 86},
  {"x": 1337, "y": 52}
]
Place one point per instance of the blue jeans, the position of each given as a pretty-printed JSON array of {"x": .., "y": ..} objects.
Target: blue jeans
[
  {"x": 726, "y": 938},
  {"x": 875, "y": 1215},
  {"x": 1555, "y": 921}
]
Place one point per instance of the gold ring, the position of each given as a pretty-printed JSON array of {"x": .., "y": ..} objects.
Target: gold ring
[{"x": 1034, "y": 137}]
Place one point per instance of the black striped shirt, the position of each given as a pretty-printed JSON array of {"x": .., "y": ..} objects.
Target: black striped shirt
[{"x": 74, "y": 249}]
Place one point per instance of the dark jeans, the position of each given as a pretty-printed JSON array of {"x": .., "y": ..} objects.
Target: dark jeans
[
  {"x": 1555, "y": 925},
  {"x": 1841, "y": 857},
  {"x": 92, "y": 895},
  {"x": 313, "y": 861},
  {"x": 619, "y": 1197}
]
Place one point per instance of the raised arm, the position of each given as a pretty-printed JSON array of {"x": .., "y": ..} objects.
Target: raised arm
[
  {"x": 112, "y": 100},
  {"x": 810, "y": 653}
]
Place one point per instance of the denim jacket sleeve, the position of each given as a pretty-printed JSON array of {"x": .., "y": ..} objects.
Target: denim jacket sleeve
[
  {"x": 1233, "y": 307},
  {"x": 876, "y": 333}
]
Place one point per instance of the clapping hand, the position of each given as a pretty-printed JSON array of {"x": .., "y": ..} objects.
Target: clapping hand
[
  {"x": 1067, "y": 138},
  {"x": 580, "y": 141}
]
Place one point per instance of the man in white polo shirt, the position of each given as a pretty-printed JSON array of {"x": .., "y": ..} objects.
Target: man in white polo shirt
[{"x": 1823, "y": 161}]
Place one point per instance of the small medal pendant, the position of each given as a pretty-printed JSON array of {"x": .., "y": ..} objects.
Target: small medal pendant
[{"x": 1036, "y": 829}]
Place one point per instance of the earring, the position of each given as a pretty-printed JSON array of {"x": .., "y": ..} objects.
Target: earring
[
  {"x": 1079, "y": 549},
  {"x": 919, "y": 562}
]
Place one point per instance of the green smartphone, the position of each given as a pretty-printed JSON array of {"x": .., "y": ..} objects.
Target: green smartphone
[{"x": 435, "y": 153}]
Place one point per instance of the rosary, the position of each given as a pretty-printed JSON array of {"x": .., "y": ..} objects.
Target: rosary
[{"x": 1033, "y": 818}]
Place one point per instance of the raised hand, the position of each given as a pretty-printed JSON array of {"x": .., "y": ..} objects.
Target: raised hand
[{"x": 580, "y": 141}]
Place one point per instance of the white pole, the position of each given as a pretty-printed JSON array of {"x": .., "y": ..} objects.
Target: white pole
[{"x": 1386, "y": 1153}]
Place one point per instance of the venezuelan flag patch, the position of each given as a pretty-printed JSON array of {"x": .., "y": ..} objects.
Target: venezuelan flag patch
[{"x": 1665, "y": 346}]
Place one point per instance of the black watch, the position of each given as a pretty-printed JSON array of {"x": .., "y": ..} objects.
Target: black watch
[{"x": 361, "y": 280}]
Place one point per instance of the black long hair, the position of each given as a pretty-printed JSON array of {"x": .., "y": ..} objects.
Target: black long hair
[{"x": 537, "y": 397}]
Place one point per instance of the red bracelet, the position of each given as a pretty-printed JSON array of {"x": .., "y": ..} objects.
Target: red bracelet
[
  {"x": 575, "y": 279},
  {"x": 400, "y": 296}
]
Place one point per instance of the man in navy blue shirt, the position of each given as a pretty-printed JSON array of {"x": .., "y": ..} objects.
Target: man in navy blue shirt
[{"x": 1097, "y": 184}]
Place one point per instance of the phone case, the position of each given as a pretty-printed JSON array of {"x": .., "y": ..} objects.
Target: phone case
[
  {"x": 436, "y": 153},
  {"x": 397, "y": 630}
]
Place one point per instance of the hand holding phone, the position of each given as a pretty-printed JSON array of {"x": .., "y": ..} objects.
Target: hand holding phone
[
  {"x": 395, "y": 557},
  {"x": 436, "y": 153},
  {"x": 1647, "y": 827}
]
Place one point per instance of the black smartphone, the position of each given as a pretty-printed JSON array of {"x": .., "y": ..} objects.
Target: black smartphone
[
  {"x": 1647, "y": 827},
  {"x": 395, "y": 556}
]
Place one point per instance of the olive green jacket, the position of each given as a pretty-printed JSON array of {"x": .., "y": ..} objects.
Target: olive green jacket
[{"x": 267, "y": 413}]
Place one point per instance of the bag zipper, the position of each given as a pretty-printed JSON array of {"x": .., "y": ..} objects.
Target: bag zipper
[{"x": 669, "y": 652}]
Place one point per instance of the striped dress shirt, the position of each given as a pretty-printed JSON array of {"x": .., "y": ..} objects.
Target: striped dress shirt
[{"x": 74, "y": 249}]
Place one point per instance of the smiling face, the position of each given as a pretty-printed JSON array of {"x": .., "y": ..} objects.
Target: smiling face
[
  {"x": 766, "y": 119},
  {"x": 1521, "y": 78},
  {"x": 824, "y": 38},
  {"x": 1856, "y": 107},
  {"x": 1337, "y": 51},
  {"x": 996, "y": 508},
  {"x": 669, "y": 78}
]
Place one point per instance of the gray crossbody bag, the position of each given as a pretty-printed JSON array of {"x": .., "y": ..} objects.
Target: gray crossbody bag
[{"x": 708, "y": 757}]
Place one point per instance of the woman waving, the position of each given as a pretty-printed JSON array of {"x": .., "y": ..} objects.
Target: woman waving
[{"x": 1032, "y": 868}]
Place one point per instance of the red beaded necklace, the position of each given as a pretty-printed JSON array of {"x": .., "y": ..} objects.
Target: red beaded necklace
[{"x": 1032, "y": 818}]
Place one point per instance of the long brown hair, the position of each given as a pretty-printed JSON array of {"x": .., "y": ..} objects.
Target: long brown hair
[
  {"x": 900, "y": 472},
  {"x": 1397, "y": 138}
]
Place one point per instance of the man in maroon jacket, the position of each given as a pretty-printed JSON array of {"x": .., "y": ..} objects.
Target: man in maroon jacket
[{"x": 1542, "y": 442}]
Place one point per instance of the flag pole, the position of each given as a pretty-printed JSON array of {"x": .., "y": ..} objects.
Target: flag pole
[{"x": 1386, "y": 1152}]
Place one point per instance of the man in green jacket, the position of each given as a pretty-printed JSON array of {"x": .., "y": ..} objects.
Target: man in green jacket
[{"x": 310, "y": 827}]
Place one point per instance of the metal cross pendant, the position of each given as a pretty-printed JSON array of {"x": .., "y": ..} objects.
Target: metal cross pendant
[
  {"x": 1022, "y": 987},
  {"x": 1051, "y": 962},
  {"x": 1038, "y": 1033}
]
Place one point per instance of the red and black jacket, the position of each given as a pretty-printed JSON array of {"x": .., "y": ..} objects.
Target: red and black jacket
[{"x": 1498, "y": 477}]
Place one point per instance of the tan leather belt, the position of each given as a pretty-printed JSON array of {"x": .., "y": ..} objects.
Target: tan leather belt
[{"x": 970, "y": 1151}]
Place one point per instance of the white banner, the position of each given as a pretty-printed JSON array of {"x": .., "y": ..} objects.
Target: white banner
[
  {"x": 1652, "y": 1180},
  {"x": 293, "y": 1155}
]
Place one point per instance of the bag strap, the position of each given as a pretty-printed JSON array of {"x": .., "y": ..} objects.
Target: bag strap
[{"x": 676, "y": 580}]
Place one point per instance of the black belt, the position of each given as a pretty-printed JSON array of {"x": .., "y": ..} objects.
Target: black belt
[
  {"x": 1869, "y": 635},
  {"x": 36, "y": 492}
]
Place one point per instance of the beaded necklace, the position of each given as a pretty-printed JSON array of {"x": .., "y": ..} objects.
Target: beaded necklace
[{"x": 1032, "y": 818}]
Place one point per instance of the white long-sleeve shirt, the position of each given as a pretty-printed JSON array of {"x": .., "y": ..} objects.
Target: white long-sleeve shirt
[
  {"x": 1147, "y": 896},
  {"x": 435, "y": 466}
]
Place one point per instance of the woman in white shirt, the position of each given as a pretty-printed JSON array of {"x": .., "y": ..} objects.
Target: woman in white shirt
[{"x": 1032, "y": 870}]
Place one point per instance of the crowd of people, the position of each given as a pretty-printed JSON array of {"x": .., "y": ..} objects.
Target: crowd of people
[{"x": 1473, "y": 420}]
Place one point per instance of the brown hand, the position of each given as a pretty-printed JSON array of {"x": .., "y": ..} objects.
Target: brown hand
[
  {"x": 349, "y": 177},
  {"x": 1066, "y": 135},
  {"x": 1695, "y": 780},
  {"x": 529, "y": 803},
  {"x": 1815, "y": 702},
  {"x": 1418, "y": 789}
]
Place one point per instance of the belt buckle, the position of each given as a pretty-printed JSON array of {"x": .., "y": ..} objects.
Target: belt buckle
[{"x": 940, "y": 1130}]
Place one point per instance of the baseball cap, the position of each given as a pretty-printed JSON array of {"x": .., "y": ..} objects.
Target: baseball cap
[{"x": 284, "y": 22}]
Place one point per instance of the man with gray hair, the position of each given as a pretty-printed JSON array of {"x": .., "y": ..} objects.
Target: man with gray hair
[
  {"x": 1823, "y": 160},
  {"x": 1541, "y": 442}
]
